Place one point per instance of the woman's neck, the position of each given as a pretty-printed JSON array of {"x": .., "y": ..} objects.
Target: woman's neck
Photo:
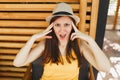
[{"x": 62, "y": 48}]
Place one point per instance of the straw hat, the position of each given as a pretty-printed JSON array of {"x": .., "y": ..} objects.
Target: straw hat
[{"x": 63, "y": 9}]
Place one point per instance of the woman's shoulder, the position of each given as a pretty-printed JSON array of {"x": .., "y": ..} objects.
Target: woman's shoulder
[{"x": 41, "y": 42}]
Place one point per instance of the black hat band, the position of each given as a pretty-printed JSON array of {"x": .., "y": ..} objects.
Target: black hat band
[{"x": 62, "y": 13}]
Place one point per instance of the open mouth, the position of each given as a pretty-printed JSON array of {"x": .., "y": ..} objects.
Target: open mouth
[{"x": 62, "y": 36}]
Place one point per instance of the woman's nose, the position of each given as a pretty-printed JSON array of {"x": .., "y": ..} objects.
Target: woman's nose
[{"x": 62, "y": 29}]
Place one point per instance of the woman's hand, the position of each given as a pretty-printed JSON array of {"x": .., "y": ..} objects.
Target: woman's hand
[
  {"x": 44, "y": 33},
  {"x": 78, "y": 34}
]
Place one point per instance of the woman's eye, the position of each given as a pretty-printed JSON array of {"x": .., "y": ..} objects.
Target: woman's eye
[
  {"x": 66, "y": 24},
  {"x": 57, "y": 25}
]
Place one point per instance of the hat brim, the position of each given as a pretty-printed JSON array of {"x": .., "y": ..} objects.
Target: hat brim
[{"x": 76, "y": 18}]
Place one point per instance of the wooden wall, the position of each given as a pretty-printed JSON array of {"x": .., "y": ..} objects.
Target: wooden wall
[{"x": 19, "y": 19}]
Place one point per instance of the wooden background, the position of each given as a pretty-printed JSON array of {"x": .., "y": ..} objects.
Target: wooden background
[{"x": 20, "y": 19}]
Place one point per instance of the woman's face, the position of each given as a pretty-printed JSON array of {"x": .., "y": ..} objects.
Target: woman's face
[{"x": 62, "y": 28}]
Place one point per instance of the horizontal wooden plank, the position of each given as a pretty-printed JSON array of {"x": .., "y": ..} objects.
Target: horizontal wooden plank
[
  {"x": 34, "y": 24},
  {"x": 39, "y": 0},
  {"x": 6, "y": 63},
  {"x": 16, "y": 23},
  {"x": 87, "y": 26},
  {"x": 25, "y": 15},
  {"x": 88, "y": 17},
  {"x": 9, "y": 51},
  {"x": 8, "y": 15},
  {"x": 32, "y": 7},
  {"x": 7, "y": 69},
  {"x": 14, "y": 69},
  {"x": 12, "y": 45},
  {"x": 89, "y": 9},
  {"x": 10, "y": 63},
  {"x": 19, "y": 31},
  {"x": 13, "y": 15},
  {"x": 35, "y": 7},
  {"x": 14, "y": 38},
  {"x": 7, "y": 57},
  {"x": 10, "y": 78},
  {"x": 6, "y": 74}
]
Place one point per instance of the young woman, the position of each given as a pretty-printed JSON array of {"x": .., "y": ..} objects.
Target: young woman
[{"x": 61, "y": 54}]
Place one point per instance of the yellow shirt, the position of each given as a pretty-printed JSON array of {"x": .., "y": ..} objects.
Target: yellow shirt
[{"x": 68, "y": 71}]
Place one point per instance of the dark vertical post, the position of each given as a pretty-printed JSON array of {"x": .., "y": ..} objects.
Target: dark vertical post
[
  {"x": 101, "y": 24},
  {"x": 102, "y": 19}
]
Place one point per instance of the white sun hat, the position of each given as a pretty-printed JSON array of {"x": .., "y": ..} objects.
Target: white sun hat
[{"x": 63, "y": 9}]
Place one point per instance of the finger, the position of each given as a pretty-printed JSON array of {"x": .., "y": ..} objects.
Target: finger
[
  {"x": 49, "y": 27},
  {"x": 74, "y": 27},
  {"x": 48, "y": 37},
  {"x": 47, "y": 32},
  {"x": 72, "y": 36}
]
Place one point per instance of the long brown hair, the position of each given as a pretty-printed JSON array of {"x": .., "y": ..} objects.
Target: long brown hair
[{"x": 52, "y": 53}]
